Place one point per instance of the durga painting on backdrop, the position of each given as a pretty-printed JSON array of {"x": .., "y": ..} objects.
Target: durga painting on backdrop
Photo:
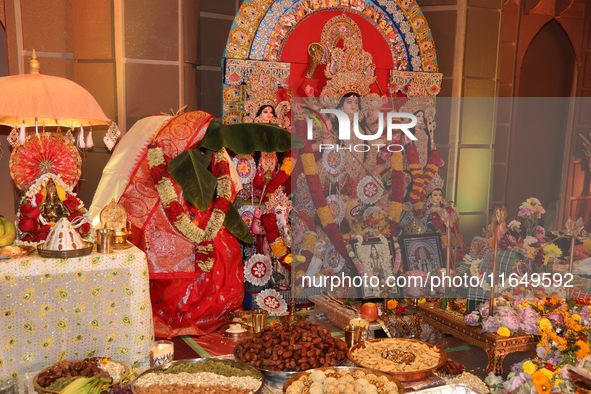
[{"x": 331, "y": 53}]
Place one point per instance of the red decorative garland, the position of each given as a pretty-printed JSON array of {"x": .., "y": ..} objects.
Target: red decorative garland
[
  {"x": 310, "y": 227},
  {"x": 221, "y": 170},
  {"x": 279, "y": 180},
  {"x": 417, "y": 194},
  {"x": 431, "y": 169},
  {"x": 397, "y": 194}
]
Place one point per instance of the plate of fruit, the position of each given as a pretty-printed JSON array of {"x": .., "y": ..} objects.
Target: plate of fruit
[
  {"x": 65, "y": 374},
  {"x": 15, "y": 252}
]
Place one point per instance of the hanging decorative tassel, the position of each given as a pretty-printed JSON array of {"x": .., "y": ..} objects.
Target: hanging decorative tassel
[
  {"x": 70, "y": 137},
  {"x": 108, "y": 142},
  {"x": 13, "y": 138},
  {"x": 22, "y": 135},
  {"x": 112, "y": 136},
  {"x": 80, "y": 140},
  {"x": 89, "y": 141}
]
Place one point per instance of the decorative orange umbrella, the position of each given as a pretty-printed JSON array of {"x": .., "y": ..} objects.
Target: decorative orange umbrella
[
  {"x": 48, "y": 100},
  {"x": 34, "y": 99}
]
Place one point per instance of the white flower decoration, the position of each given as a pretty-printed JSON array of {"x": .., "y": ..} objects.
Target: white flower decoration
[
  {"x": 370, "y": 190},
  {"x": 272, "y": 301},
  {"x": 258, "y": 270}
]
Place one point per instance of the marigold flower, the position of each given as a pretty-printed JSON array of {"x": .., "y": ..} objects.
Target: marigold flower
[
  {"x": 541, "y": 382},
  {"x": 544, "y": 323},
  {"x": 576, "y": 318},
  {"x": 392, "y": 304},
  {"x": 583, "y": 349},
  {"x": 504, "y": 332},
  {"x": 549, "y": 375},
  {"x": 529, "y": 367}
]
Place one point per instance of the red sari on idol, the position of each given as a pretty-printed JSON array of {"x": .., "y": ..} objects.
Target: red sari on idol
[{"x": 185, "y": 299}]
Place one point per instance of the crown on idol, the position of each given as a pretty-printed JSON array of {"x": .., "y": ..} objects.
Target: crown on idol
[
  {"x": 416, "y": 104},
  {"x": 279, "y": 198},
  {"x": 436, "y": 183},
  {"x": 261, "y": 90},
  {"x": 349, "y": 69}
]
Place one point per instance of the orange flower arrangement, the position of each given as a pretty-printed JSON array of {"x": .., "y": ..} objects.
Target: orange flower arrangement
[
  {"x": 583, "y": 349},
  {"x": 542, "y": 383}
]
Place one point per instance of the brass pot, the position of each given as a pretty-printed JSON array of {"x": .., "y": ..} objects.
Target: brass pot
[{"x": 120, "y": 237}]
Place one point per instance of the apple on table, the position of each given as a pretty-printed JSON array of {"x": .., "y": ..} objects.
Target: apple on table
[{"x": 370, "y": 310}]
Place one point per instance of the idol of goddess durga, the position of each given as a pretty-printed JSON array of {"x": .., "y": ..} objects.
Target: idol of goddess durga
[{"x": 344, "y": 172}]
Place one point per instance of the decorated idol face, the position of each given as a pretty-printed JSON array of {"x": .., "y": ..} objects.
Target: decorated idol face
[
  {"x": 420, "y": 119},
  {"x": 373, "y": 116},
  {"x": 298, "y": 232},
  {"x": 436, "y": 197},
  {"x": 351, "y": 105},
  {"x": 267, "y": 114},
  {"x": 281, "y": 215}
]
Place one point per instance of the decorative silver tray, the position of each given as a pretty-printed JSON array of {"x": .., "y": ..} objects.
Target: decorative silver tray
[
  {"x": 451, "y": 389},
  {"x": 233, "y": 363},
  {"x": 350, "y": 369}
]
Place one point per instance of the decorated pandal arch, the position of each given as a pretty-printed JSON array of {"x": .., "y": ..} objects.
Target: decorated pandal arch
[
  {"x": 281, "y": 50},
  {"x": 277, "y": 36}
]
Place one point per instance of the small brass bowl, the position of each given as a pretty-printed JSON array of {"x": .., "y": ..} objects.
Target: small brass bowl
[{"x": 120, "y": 237}]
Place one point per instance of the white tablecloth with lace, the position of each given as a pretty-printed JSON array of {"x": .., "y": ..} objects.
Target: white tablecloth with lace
[{"x": 54, "y": 309}]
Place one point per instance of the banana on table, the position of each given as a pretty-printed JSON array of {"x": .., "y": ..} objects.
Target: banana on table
[
  {"x": 86, "y": 386},
  {"x": 7, "y": 232}
]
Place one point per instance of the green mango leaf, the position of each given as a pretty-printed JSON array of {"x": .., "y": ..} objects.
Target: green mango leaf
[
  {"x": 353, "y": 301},
  {"x": 246, "y": 138},
  {"x": 236, "y": 225},
  {"x": 190, "y": 171},
  {"x": 443, "y": 303}
]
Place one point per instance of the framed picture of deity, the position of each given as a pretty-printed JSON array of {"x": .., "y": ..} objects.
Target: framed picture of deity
[
  {"x": 377, "y": 255},
  {"x": 421, "y": 252}
]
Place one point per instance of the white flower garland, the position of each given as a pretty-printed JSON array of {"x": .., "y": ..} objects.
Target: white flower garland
[
  {"x": 168, "y": 195},
  {"x": 155, "y": 157},
  {"x": 166, "y": 192}
]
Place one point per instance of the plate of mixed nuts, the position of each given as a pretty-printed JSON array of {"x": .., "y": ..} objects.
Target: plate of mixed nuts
[{"x": 200, "y": 376}]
